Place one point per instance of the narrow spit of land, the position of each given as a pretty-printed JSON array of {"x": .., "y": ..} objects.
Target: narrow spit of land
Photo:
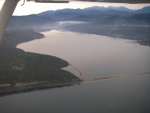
[
  {"x": 80, "y": 73},
  {"x": 96, "y": 79},
  {"x": 114, "y": 77}
]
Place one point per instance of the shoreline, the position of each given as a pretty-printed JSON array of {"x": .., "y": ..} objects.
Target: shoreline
[
  {"x": 29, "y": 89},
  {"x": 14, "y": 86}
]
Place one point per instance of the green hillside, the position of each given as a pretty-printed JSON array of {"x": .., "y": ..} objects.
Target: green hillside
[{"x": 19, "y": 69}]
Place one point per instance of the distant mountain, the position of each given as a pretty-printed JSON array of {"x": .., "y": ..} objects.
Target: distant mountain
[
  {"x": 111, "y": 21},
  {"x": 121, "y": 9},
  {"x": 109, "y": 8},
  {"x": 61, "y": 14},
  {"x": 99, "y": 15},
  {"x": 90, "y": 10},
  {"x": 143, "y": 10},
  {"x": 103, "y": 15},
  {"x": 86, "y": 14}
]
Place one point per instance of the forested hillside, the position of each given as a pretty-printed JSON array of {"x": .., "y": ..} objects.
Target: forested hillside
[{"x": 20, "y": 69}]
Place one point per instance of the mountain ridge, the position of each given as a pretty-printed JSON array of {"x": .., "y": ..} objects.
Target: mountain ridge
[{"x": 134, "y": 24}]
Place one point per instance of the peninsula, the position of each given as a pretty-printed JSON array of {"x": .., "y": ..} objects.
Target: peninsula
[{"x": 25, "y": 71}]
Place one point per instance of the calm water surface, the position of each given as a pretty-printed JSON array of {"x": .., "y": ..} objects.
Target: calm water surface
[{"x": 94, "y": 56}]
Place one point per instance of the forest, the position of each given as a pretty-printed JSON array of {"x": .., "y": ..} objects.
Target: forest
[{"x": 19, "y": 69}]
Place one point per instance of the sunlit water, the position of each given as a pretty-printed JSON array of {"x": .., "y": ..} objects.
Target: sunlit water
[{"x": 94, "y": 56}]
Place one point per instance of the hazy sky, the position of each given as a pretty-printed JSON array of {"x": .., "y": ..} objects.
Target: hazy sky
[{"x": 33, "y": 8}]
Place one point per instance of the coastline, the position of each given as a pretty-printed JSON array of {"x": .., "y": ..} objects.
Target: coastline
[
  {"x": 23, "y": 71},
  {"x": 29, "y": 89}
]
